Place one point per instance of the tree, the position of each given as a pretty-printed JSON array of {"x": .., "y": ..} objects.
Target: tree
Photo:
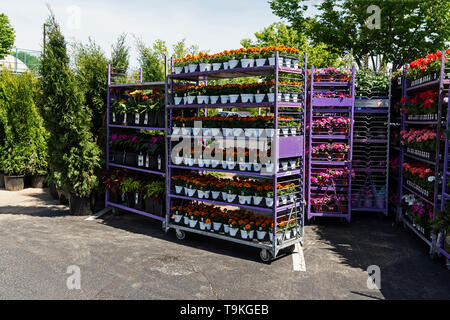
[
  {"x": 180, "y": 49},
  {"x": 73, "y": 155},
  {"x": 90, "y": 69},
  {"x": 407, "y": 29},
  {"x": 277, "y": 34},
  {"x": 23, "y": 148},
  {"x": 7, "y": 36},
  {"x": 120, "y": 55},
  {"x": 151, "y": 60}
]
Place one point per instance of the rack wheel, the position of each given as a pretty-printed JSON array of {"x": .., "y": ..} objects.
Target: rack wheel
[
  {"x": 180, "y": 234},
  {"x": 265, "y": 256},
  {"x": 447, "y": 263}
]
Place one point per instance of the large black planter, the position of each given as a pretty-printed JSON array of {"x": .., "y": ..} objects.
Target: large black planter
[
  {"x": 79, "y": 206},
  {"x": 119, "y": 157},
  {"x": 131, "y": 159},
  {"x": 2, "y": 180},
  {"x": 152, "y": 119},
  {"x": 130, "y": 199},
  {"x": 63, "y": 199},
  {"x": 153, "y": 162},
  {"x": 130, "y": 119},
  {"x": 14, "y": 183},
  {"x": 53, "y": 191},
  {"x": 158, "y": 207},
  {"x": 37, "y": 180},
  {"x": 149, "y": 205},
  {"x": 114, "y": 197},
  {"x": 119, "y": 118},
  {"x": 140, "y": 205},
  {"x": 160, "y": 119}
]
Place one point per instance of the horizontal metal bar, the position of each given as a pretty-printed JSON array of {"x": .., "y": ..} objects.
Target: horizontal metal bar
[{"x": 149, "y": 215}]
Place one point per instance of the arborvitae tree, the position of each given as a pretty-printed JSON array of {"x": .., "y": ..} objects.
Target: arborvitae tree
[
  {"x": 120, "y": 55},
  {"x": 73, "y": 155},
  {"x": 7, "y": 36},
  {"x": 23, "y": 149}
]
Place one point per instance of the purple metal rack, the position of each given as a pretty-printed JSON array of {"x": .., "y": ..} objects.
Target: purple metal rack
[
  {"x": 282, "y": 147},
  {"x": 439, "y": 164},
  {"x": 330, "y": 106},
  {"x": 139, "y": 85}
]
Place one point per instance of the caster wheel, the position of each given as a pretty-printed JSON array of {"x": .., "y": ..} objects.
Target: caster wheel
[
  {"x": 291, "y": 249},
  {"x": 180, "y": 234},
  {"x": 447, "y": 263},
  {"x": 265, "y": 256}
]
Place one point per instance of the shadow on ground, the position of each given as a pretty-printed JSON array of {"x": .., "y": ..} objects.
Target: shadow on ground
[{"x": 407, "y": 272}]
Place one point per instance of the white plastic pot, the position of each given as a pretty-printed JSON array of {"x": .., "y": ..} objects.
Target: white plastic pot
[
  {"x": 238, "y": 132},
  {"x": 257, "y": 200},
  {"x": 231, "y": 197},
  {"x": 260, "y": 235},
  {"x": 233, "y": 98},
  {"x": 202, "y": 99},
  {"x": 224, "y": 99},
  {"x": 217, "y": 226},
  {"x": 178, "y": 189},
  {"x": 178, "y": 100},
  {"x": 214, "y": 99},
  {"x": 178, "y": 70},
  {"x": 259, "y": 97},
  {"x": 205, "y": 67},
  {"x": 247, "y": 97},
  {"x": 216, "y": 66},
  {"x": 193, "y": 67},
  {"x": 233, "y": 63},
  {"x": 260, "y": 62},
  {"x": 226, "y": 65},
  {"x": 245, "y": 199},
  {"x": 215, "y": 194},
  {"x": 247, "y": 63},
  {"x": 192, "y": 223},
  {"x": 269, "y": 202},
  {"x": 190, "y": 99},
  {"x": 177, "y": 217},
  {"x": 233, "y": 231}
]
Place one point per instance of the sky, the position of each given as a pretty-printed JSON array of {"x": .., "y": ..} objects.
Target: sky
[{"x": 214, "y": 25}]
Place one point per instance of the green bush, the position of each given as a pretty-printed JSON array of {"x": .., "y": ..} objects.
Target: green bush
[
  {"x": 23, "y": 149},
  {"x": 73, "y": 155}
]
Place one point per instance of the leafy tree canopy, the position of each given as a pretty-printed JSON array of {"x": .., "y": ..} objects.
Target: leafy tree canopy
[
  {"x": 120, "y": 54},
  {"x": 276, "y": 34},
  {"x": 407, "y": 29},
  {"x": 7, "y": 36}
]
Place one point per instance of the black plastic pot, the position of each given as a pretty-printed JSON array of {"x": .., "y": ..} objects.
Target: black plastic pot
[
  {"x": 153, "y": 162},
  {"x": 149, "y": 205},
  {"x": 131, "y": 159},
  {"x": 152, "y": 119},
  {"x": 130, "y": 199},
  {"x": 140, "y": 205},
  {"x": 160, "y": 119},
  {"x": 142, "y": 119},
  {"x": 114, "y": 197},
  {"x": 119, "y": 118},
  {"x": 130, "y": 119},
  {"x": 79, "y": 206},
  {"x": 158, "y": 207},
  {"x": 14, "y": 183},
  {"x": 119, "y": 157},
  {"x": 53, "y": 191},
  {"x": 37, "y": 180},
  {"x": 2, "y": 180},
  {"x": 62, "y": 197}
]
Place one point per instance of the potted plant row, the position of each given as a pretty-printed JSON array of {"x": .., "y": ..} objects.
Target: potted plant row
[
  {"x": 330, "y": 152},
  {"x": 127, "y": 189},
  {"x": 331, "y": 125},
  {"x": 340, "y": 177},
  {"x": 238, "y": 190},
  {"x": 232, "y": 93},
  {"x": 241, "y": 58},
  {"x": 420, "y": 142},
  {"x": 331, "y": 74},
  {"x": 234, "y": 126},
  {"x": 419, "y": 213},
  {"x": 143, "y": 108},
  {"x": 141, "y": 151},
  {"x": 332, "y": 204},
  {"x": 422, "y": 106},
  {"x": 426, "y": 69},
  {"x": 420, "y": 177}
]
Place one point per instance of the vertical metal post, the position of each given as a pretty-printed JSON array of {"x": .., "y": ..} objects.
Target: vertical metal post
[
  {"x": 402, "y": 149},
  {"x": 305, "y": 95},
  {"x": 311, "y": 110},
  {"x": 166, "y": 137},
  {"x": 386, "y": 202},
  {"x": 108, "y": 103},
  {"x": 350, "y": 154},
  {"x": 275, "y": 154}
]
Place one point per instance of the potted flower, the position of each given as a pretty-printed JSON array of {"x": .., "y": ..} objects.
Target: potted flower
[
  {"x": 233, "y": 228},
  {"x": 247, "y": 230},
  {"x": 177, "y": 213},
  {"x": 130, "y": 187}
]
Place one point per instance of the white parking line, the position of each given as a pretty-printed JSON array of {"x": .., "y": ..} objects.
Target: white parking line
[
  {"x": 298, "y": 260},
  {"x": 98, "y": 214}
]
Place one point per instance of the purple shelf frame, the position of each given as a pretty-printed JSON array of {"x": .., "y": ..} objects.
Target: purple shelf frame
[
  {"x": 293, "y": 146},
  {"x": 111, "y": 164},
  {"x": 142, "y": 213},
  {"x": 341, "y": 105},
  {"x": 133, "y": 127},
  {"x": 248, "y": 173}
]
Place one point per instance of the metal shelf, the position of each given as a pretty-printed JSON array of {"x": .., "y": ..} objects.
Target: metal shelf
[
  {"x": 142, "y": 213},
  {"x": 112, "y": 164}
]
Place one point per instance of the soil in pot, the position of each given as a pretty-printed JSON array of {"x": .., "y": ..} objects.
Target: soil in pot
[
  {"x": 80, "y": 206},
  {"x": 14, "y": 183},
  {"x": 38, "y": 180}
]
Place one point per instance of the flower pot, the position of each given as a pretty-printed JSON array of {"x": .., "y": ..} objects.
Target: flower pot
[
  {"x": 226, "y": 228},
  {"x": 257, "y": 167},
  {"x": 214, "y": 99},
  {"x": 287, "y": 234},
  {"x": 224, "y": 196},
  {"x": 193, "y": 67},
  {"x": 205, "y": 67},
  {"x": 178, "y": 189},
  {"x": 260, "y": 62},
  {"x": 287, "y": 62},
  {"x": 207, "y": 163},
  {"x": 257, "y": 200},
  {"x": 215, "y": 132},
  {"x": 186, "y": 131},
  {"x": 215, "y": 163},
  {"x": 269, "y": 202},
  {"x": 206, "y": 132},
  {"x": 231, "y": 197},
  {"x": 215, "y": 195},
  {"x": 186, "y": 220},
  {"x": 260, "y": 235},
  {"x": 340, "y": 156},
  {"x": 14, "y": 183},
  {"x": 231, "y": 165},
  {"x": 160, "y": 119},
  {"x": 216, "y": 66},
  {"x": 292, "y": 164},
  {"x": 245, "y": 200},
  {"x": 217, "y": 226},
  {"x": 226, "y": 65},
  {"x": 192, "y": 223},
  {"x": 202, "y": 225},
  {"x": 284, "y": 199},
  {"x": 285, "y": 132},
  {"x": 247, "y": 97},
  {"x": 228, "y": 132},
  {"x": 247, "y": 63},
  {"x": 177, "y": 218},
  {"x": 287, "y": 97},
  {"x": 234, "y": 98},
  {"x": 37, "y": 180},
  {"x": 295, "y": 64},
  {"x": 259, "y": 97},
  {"x": 250, "y": 132},
  {"x": 186, "y": 69},
  {"x": 244, "y": 234},
  {"x": 233, "y": 64},
  {"x": 271, "y": 97},
  {"x": 190, "y": 99},
  {"x": 202, "y": 99},
  {"x": 224, "y": 98},
  {"x": 79, "y": 206},
  {"x": 178, "y": 70},
  {"x": 191, "y": 192},
  {"x": 178, "y": 160},
  {"x": 284, "y": 165},
  {"x": 206, "y": 194},
  {"x": 233, "y": 232}
]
